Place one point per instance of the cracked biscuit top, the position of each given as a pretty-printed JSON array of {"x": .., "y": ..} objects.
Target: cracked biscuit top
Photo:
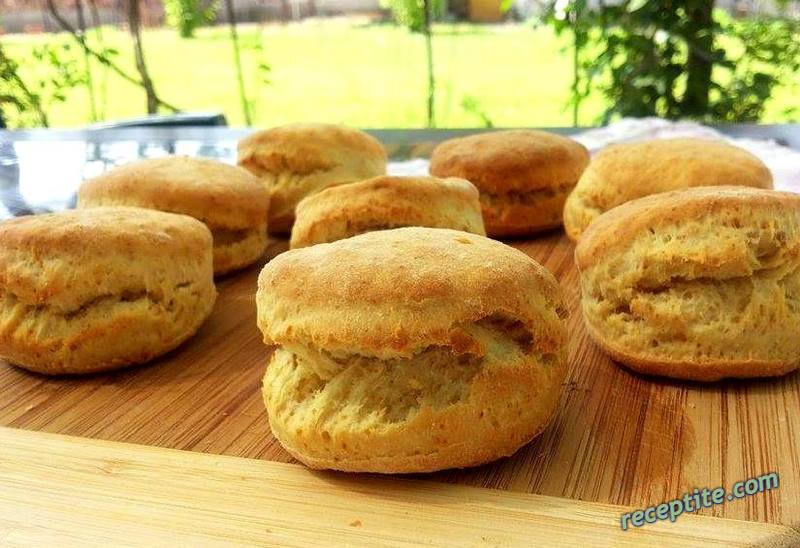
[
  {"x": 393, "y": 293},
  {"x": 736, "y": 220},
  {"x": 64, "y": 260}
]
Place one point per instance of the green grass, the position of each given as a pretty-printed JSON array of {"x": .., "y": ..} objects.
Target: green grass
[{"x": 340, "y": 71}]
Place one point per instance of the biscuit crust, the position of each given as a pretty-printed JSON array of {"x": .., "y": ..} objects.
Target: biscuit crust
[
  {"x": 524, "y": 176},
  {"x": 387, "y": 202},
  {"x": 228, "y": 199},
  {"x": 697, "y": 284},
  {"x": 98, "y": 289},
  {"x": 297, "y": 160},
  {"x": 410, "y": 350},
  {"x": 624, "y": 172}
]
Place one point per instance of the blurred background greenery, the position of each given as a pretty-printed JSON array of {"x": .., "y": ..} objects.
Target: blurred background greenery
[{"x": 399, "y": 63}]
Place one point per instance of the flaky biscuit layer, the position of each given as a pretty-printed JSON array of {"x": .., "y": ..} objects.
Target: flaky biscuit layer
[
  {"x": 699, "y": 284},
  {"x": 447, "y": 350},
  {"x": 92, "y": 290}
]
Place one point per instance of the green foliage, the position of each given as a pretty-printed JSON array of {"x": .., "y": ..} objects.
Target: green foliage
[
  {"x": 770, "y": 57},
  {"x": 411, "y": 13},
  {"x": 680, "y": 59},
  {"x": 261, "y": 72},
  {"x": 377, "y": 88},
  {"x": 473, "y": 106},
  {"x": 25, "y": 98},
  {"x": 187, "y": 15}
]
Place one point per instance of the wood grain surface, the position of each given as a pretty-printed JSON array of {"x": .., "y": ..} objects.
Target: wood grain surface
[
  {"x": 79, "y": 492},
  {"x": 618, "y": 437}
]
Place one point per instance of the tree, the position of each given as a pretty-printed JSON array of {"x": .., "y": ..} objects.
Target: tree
[
  {"x": 102, "y": 87},
  {"x": 666, "y": 58},
  {"x": 413, "y": 14},
  {"x": 86, "y": 61},
  {"x": 187, "y": 15},
  {"x": 429, "y": 57},
  {"x": 417, "y": 16},
  {"x": 238, "y": 63},
  {"x": 134, "y": 27},
  {"x": 104, "y": 56},
  {"x": 699, "y": 36}
]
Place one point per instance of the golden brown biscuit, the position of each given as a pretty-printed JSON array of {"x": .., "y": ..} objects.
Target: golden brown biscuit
[
  {"x": 297, "y": 160},
  {"x": 98, "y": 289},
  {"x": 387, "y": 202},
  {"x": 698, "y": 284},
  {"x": 228, "y": 199},
  {"x": 410, "y": 350},
  {"x": 625, "y": 172},
  {"x": 524, "y": 176}
]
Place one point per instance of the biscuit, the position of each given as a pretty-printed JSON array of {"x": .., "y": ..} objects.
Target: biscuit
[
  {"x": 297, "y": 160},
  {"x": 523, "y": 176},
  {"x": 698, "y": 284},
  {"x": 92, "y": 290},
  {"x": 410, "y": 350},
  {"x": 386, "y": 202},
  {"x": 228, "y": 199},
  {"x": 625, "y": 172}
]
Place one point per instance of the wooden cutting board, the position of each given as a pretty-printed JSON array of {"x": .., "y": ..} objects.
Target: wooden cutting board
[
  {"x": 618, "y": 438},
  {"x": 80, "y": 492}
]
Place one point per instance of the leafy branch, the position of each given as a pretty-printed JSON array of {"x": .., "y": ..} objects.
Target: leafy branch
[
  {"x": 654, "y": 59},
  {"x": 103, "y": 58},
  {"x": 427, "y": 5},
  {"x": 237, "y": 59},
  {"x": 9, "y": 73},
  {"x": 34, "y": 96}
]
